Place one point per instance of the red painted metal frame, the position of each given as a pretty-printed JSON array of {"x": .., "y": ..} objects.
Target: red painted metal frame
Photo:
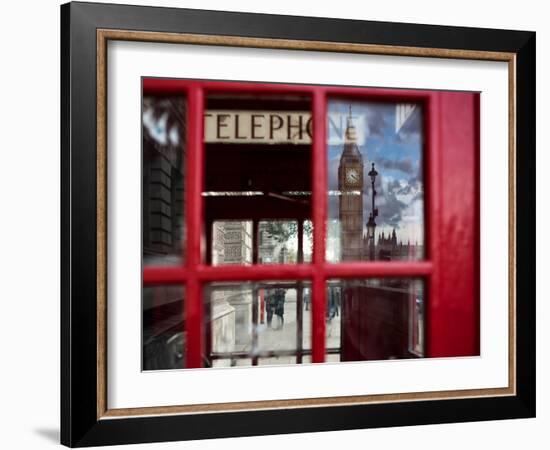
[
  {"x": 453, "y": 321},
  {"x": 195, "y": 174},
  {"x": 439, "y": 316},
  {"x": 153, "y": 275},
  {"x": 319, "y": 175}
]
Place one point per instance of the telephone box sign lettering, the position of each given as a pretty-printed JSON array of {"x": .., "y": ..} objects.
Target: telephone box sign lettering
[{"x": 273, "y": 127}]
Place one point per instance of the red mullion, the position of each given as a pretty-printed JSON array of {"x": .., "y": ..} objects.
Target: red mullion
[
  {"x": 166, "y": 86},
  {"x": 379, "y": 94},
  {"x": 195, "y": 166},
  {"x": 156, "y": 275},
  {"x": 379, "y": 269},
  {"x": 319, "y": 216},
  {"x": 170, "y": 86},
  {"x": 255, "y": 272},
  {"x": 257, "y": 88},
  {"x": 433, "y": 211}
]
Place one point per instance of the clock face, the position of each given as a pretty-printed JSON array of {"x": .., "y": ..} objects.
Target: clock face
[{"x": 352, "y": 176}]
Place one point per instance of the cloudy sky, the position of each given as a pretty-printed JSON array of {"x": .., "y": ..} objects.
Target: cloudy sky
[{"x": 398, "y": 161}]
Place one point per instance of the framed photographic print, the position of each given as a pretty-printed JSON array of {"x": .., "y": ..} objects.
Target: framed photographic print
[{"x": 276, "y": 224}]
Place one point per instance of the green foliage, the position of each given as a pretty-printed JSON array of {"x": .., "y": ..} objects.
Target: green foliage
[{"x": 282, "y": 231}]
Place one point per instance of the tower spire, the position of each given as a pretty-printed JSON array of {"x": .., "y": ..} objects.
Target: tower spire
[{"x": 351, "y": 134}]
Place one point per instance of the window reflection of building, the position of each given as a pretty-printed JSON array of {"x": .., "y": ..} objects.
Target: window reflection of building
[
  {"x": 232, "y": 242},
  {"x": 163, "y": 192},
  {"x": 389, "y": 248},
  {"x": 231, "y": 310},
  {"x": 267, "y": 245},
  {"x": 163, "y": 340},
  {"x": 273, "y": 246},
  {"x": 163, "y": 179}
]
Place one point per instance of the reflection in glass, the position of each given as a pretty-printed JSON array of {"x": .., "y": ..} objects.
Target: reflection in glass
[
  {"x": 231, "y": 242},
  {"x": 333, "y": 319},
  {"x": 376, "y": 189},
  {"x": 163, "y": 324},
  {"x": 163, "y": 151},
  {"x": 333, "y": 314},
  {"x": 379, "y": 318},
  {"x": 255, "y": 323},
  {"x": 236, "y": 362},
  {"x": 307, "y": 239},
  {"x": 278, "y": 242}
]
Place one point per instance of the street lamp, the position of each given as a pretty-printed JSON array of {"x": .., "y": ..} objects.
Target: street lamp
[
  {"x": 372, "y": 174},
  {"x": 371, "y": 227},
  {"x": 371, "y": 224}
]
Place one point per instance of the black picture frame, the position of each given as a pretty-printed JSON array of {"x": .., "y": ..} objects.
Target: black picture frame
[{"x": 80, "y": 425}]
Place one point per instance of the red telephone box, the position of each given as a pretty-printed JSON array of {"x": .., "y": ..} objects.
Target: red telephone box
[{"x": 290, "y": 164}]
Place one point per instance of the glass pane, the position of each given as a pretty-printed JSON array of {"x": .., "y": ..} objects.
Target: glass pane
[
  {"x": 376, "y": 188},
  {"x": 231, "y": 362},
  {"x": 255, "y": 323},
  {"x": 333, "y": 313},
  {"x": 277, "y": 242},
  {"x": 231, "y": 242},
  {"x": 257, "y": 170},
  {"x": 163, "y": 188},
  {"x": 378, "y": 319},
  {"x": 163, "y": 325},
  {"x": 308, "y": 241},
  {"x": 277, "y": 360},
  {"x": 333, "y": 319}
]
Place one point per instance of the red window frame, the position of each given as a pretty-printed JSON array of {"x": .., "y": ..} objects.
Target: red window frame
[{"x": 451, "y": 175}]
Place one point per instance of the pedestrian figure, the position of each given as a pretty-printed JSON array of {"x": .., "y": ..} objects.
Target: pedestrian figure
[
  {"x": 307, "y": 298},
  {"x": 337, "y": 301},
  {"x": 280, "y": 306},
  {"x": 331, "y": 309},
  {"x": 270, "y": 304}
]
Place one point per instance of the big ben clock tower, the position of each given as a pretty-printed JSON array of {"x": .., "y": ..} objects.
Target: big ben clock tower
[{"x": 350, "y": 185}]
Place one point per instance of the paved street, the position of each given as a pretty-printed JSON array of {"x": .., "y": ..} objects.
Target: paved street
[{"x": 276, "y": 338}]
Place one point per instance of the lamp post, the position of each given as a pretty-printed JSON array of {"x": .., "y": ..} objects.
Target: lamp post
[
  {"x": 371, "y": 227},
  {"x": 371, "y": 224}
]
